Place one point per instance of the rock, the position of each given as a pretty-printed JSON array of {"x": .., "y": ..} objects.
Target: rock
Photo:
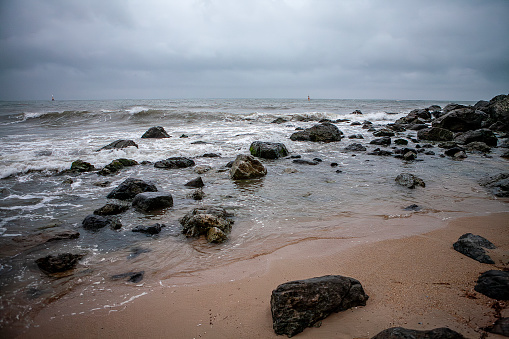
[
  {"x": 498, "y": 110},
  {"x": 47, "y": 235},
  {"x": 326, "y": 132},
  {"x": 409, "y": 156},
  {"x": 355, "y": 136},
  {"x": 384, "y": 132},
  {"x": 478, "y": 147},
  {"x": 174, "y": 162},
  {"x": 59, "y": 263},
  {"x": 494, "y": 284},
  {"x": 299, "y": 304},
  {"x": 401, "y": 142},
  {"x": 116, "y": 165},
  {"x": 195, "y": 183},
  {"x": 247, "y": 167},
  {"x": 356, "y": 112},
  {"x": 505, "y": 155},
  {"x": 435, "y": 134},
  {"x": 202, "y": 169},
  {"x": 81, "y": 166},
  {"x": 498, "y": 184},
  {"x": 455, "y": 152},
  {"x": 134, "y": 277},
  {"x": 211, "y": 155},
  {"x": 461, "y": 120},
  {"x": 413, "y": 207},
  {"x": 501, "y": 326},
  {"x": 279, "y": 120},
  {"x": 378, "y": 151},
  {"x": 111, "y": 209},
  {"x": 197, "y": 194},
  {"x": 404, "y": 333},
  {"x": 216, "y": 235},
  {"x": 305, "y": 162},
  {"x": 130, "y": 188},
  {"x": 156, "y": 132},
  {"x": 268, "y": 150},
  {"x": 200, "y": 220},
  {"x": 409, "y": 180},
  {"x": 355, "y": 147},
  {"x": 151, "y": 201},
  {"x": 384, "y": 141},
  {"x": 94, "y": 222},
  {"x": 149, "y": 230},
  {"x": 119, "y": 144},
  {"x": 473, "y": 246},
  {"x": 480, "y": 135}
]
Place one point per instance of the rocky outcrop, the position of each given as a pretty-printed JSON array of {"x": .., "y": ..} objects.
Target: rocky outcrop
[
  {"x": 494, "y": 284},
  {"x": 498, "y": 109},
  {"x": 461, "y": 120},
  {"x": 480, "y": 135},
  {"x": 119, "y": 144},
  {"x": 473, "y": 246},
  {"x": 247, "y": 167},
  {"x": 111, "y": 209},
  {"x": 156, "y": 132},
  {"x": 268, "y": 150},
  {"x": 130, "y": 188},
  {"x": 409, "y": 180},
  {"x": 435, "y": 134},
  {"x": 213, "y": 222},
  {"x": 95, "y": 222},
  {"x": 174, "y": 162},
  {"x": 59, "y": 263},
  {"x": 405, "y": 333},
  {"x": 326, "y": 132},
  {"x": 299, "y": 304},
  {"x": 498, "y": 184},
  {"x": 152, "y": 201}
]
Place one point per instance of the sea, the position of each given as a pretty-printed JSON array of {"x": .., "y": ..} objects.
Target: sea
[{"x": 347, "y": 195}]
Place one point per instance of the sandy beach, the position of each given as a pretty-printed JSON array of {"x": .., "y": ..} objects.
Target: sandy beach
[{"x": 417, "y": 282}]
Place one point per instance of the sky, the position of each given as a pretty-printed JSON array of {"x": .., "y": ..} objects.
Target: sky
[{"x": 336, "y": 49}]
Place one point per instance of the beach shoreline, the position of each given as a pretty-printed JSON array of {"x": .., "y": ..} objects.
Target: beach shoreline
[{"x": 415, "y": 281}]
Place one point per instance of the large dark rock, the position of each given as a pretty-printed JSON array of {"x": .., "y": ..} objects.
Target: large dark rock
[
  {"x": 111, "y": 209},
  {"x": 95, "y": 222},
  {"x": 151, "y": 201},
  {"x": 299, "y": 304},
  {"x": 130, "y": 188},
  {"x": 116, "y": 165},
  {"x": 480, "y": 135},
  {"x": 498, "y": 110},
  {"x": 409, "y": 180},
  {"x": 175, "y": 162},
  {"x": 473, "y": 246},
  {"x": 59, "y": 263},
  {"x": 119, "y": 144},
  {"x": 355, "y": 147},
  {"x": 326, "y": 132},
  {"x": 384, "y": 132},
  {"x": 498, "y": 184},
  {"x": 435, "y": 134},
  {"x": 150, "y": 229},
  {"x": 195, "y": 183},
  {"x": 494, "y": 284},
  {"x": 501, "y": 326},
  {"x": 404, "y": 333},
  {"x": 247, "y": 167},
  {"x": 209, "y": 221},
  {"x": 82, "y": 166},
  {"x": 156, "y": 132},
  {"x": 384, "y": 141},
  {"x": 268, "y": 150},
  {"x": 461, "y": 120}
]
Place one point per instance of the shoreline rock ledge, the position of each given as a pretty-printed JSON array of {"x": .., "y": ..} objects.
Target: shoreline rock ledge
[{"x": 298, "y": 304}]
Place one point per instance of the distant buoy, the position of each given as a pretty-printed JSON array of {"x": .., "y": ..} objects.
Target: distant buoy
[
  {"x": 309, "y": 98},
  {"x": 52, "y": 98}
]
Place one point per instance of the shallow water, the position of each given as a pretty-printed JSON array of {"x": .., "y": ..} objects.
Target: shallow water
[{"x": 353, "y": 200}]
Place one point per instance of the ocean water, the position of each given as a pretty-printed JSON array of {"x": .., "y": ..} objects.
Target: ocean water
[{"x": 356, "y": 199}]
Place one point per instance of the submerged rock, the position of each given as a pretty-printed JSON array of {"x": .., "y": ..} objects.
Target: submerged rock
[
  {"x": 498, "y": 184},
  {"x": 247, "y": 167},
  {"x": 151, "y": 201},
  {"x": 59, "y": 263},
  {"x": 116, "y": 165},
  {"x": 81, "y": 166},
  {"x": 111, "y": 209},
  {"x": 473, "y": 246},
  {"x": 134, "y": 277},
  {"x": 201, "y": 220},
  {"x": 195, "y": 183},
  {"x": 149, "y": 230},
  {"x": 355, "y": 147},
  {"x": 268, "y": 150},
  {"x": 174, "y": 162},
  {"x": 405, "y": 333},
  {"x": 384, "y": 141},
  {"x": 95, "y": 222},
  {"x": 156, "y": 132},
  {"x": 409, "y": 180},
  {"x": 130, "y": 188},
  {"x": 299, "y": 304},
  {"x": 326, "y": 132},
  {"x": 119, "y": 144},
  {"x": 494, "y": 284}
]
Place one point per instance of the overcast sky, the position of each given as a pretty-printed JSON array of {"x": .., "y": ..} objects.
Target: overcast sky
[{"x": 345, "y": 49}]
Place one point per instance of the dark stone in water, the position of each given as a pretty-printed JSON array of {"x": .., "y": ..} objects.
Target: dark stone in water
[
  {"x": 404, "y": 333},
  {"x": 119, "y": 144},
  {"x": 130, "y": 188},
  {"x": 268, "y": 150},
  {"x": 413, "y": 207},
  {"x": 384, "y": 141},
  {"x": 498, "y": 184},
  {"x": 133, "y": 277},
  {"x": 305, "y": 162},
  {"x": 151, "y": 201},
  {"x": 435, "y": 134},
  {"x": 156, "y": 132},
  {"x": 59, "y": 263},
  {"x": 247, "y": 167},
  {"x": 197, "y": 194},
  {"x": 111, "y": 209},
  {"x": 174, "y": 162},
  {"x": 401, "y": 142},
  {"x": 299, "y": 304},
  {"x": 473, "y": 246},
  {"x": 95, "y": 222},
  {"x": 355, "y": 147},
  {"x": 135, "y": 252},
  {"x": 494, "y": 284},
  {"x": 326, "y": 132},
  {"x": 116, "y": 165},
  {"x": 149, "y": 230},
  {"x": 480, "y": 135},
  {"x": 205, "y": 220},
  {"x": 409, "y": 180},
  {"x": 81, "y": 166},
  {"x": 195, "y": 183},
  {"x": 211, "y": 155}
]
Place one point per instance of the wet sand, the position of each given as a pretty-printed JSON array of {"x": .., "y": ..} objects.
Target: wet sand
[{"x": 417, "y": 282}]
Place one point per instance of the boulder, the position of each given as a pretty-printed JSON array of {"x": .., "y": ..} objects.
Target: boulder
[
  {"x": 119, "y": 144},
  {"x": 498, "y": 110},
  {"x": 94, "y": 222},
  {"x": 247, "y": 167},
  {"x": 279, "y": 120},
  {"x": 174, "y": 162},
  {"x": 435, "y": 134},
  {"x": 473, "y": 246},
  {"x": 195, "y": 183},
  {"x": 81, "y": 166},
  {"x": 401, "y": 142},
  {"x": 384, "y": 132},
  {"x": 384, "y": 141},
  {"x": 268, "y": 150},
  {"x": 461, "y": 120},
  {"x": 200, "y": 220},
  {"x": 130, "y": 188},
  {"x": 156, "y": 132},
  {"x": 216, "y": 235},
  {"x": 480, "y": 135},
  {"x": 326, "y": 132},
  {"x": 477, "y": 147},
  {"x": 455, "y": 152},
  {"x": 196, "y": 194},
  {"x": 151, "y": 201},
  {"x": 299, "y": 304},
  {"x": 498, "y": 184},
  {"x": 355, "y": 147},
  {"x": 116, "y": 165},
  {"x": 405, "y": 333},
  {"x": 409, "y": 180},
  {"x": 149, "y": 230},
  {"x": 111, "y": 209},
  {"x": 501, "y": 326},
  {"x": 59, "y": 263},
  {"x": 494, "y": 284},
  {"x": 356, "y": 112}
]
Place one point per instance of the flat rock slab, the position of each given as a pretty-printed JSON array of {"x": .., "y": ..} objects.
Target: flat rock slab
[
  {"x": 299, "y": 304},
  {"x": 404, "y": 333}
]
